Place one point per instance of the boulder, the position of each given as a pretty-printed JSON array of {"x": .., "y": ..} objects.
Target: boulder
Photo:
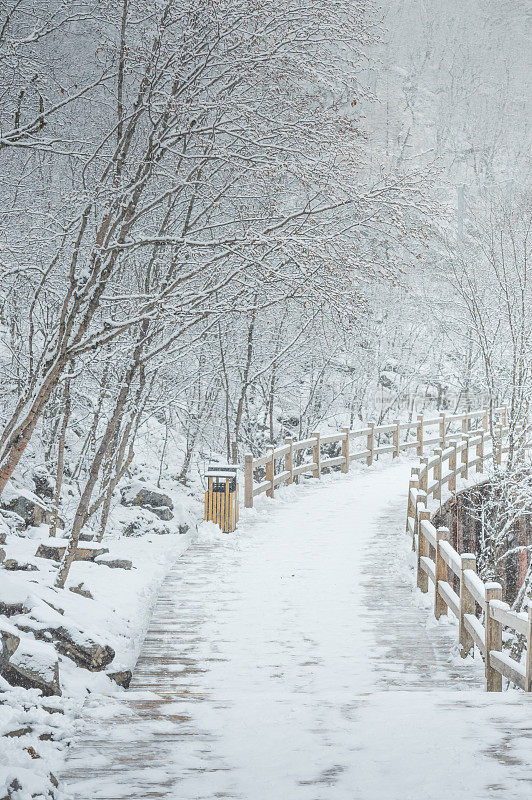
[
  {"x": 47, "y": 624},
  {"x": 2, "y": 555},
  {"x": 80, "y": 589},
  {"x": 18, "y": 732},
  {"x": 44, "y": 483},
  {"x": 12, "y": 521},
  {"x": 9, "y": 641},
  {"x": 31, "y": 665},
  {"x": 83, "y": 650},
  {"x": 122, "y": 678},
  {"x": 134, "y": 529},
  {"x": 55, "y": 552},
  {"x": 9, "y": 609},
  {"x": 149, "y": 498},
  {"x": 163, "y": 512},
  {"x": 115, "y": 563},
  {"x": 13, "y": 565},
  {"x": 13, "y": 595},
  {"x": 28, "y": 510}
]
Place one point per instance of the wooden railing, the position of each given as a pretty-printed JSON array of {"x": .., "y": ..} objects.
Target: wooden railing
[
  {"x": 280, "y": 466},
  {"x": 453, "y": 576}
]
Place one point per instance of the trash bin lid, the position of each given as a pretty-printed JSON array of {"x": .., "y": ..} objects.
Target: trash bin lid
[{"x": 226, "y": 471}]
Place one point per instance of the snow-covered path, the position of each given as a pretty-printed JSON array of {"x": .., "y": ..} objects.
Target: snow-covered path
[{"x": 295, "y": 661}]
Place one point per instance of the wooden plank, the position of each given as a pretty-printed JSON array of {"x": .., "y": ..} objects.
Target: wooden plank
[
  {"x": 282, "y": 477},
  {"x": 270, "y": 472},
  {"x": 359, "y": 432},
  {"x": 359, "y": 455},
  {"x": 289, "y": 460},
  {"x": 476, "y": 630},
  {"x": 345, "y": 450},
  {"x": 316, "y": 455},
  {"x": 440, "y": 607},
  {"x": 384, "y": 428},
  {"x": 332, "y": 437},
  {"x": 304, "y": 444},
  {"x": 493, "y": 639},
  {"x": 385, "y": 448},
  {"x": 505, "y": 665},
  {"x": 333, "y": 462},
  {"x": 450, "y": 597},
  {"x": 423, "y": 548},
  {"x": 451, "y": 558},
  {"x": 428, "y": 566},
  {"x": 506, "y": 616},
  {"x": 261, "y": 487},
  {"x": 427, "y": 423},
  {"x": 309, "y": 467},
  {"x": 408, "y": 445},
  {"x": 259, "y": 462},
  {"x": 429, "y": 531},
  {"x": 248, "y": 481},
  {"x": 475, "y": 586}
]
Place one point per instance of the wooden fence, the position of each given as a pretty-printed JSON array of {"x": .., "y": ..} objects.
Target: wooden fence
[
  {"x": 455, "y": 455},
  {"x": 281, "y": 465},
  {"x": 453, "y": 576}
]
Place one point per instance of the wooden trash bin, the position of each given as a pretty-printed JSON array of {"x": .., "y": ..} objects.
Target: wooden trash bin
[{"x": 221, "y": 497}]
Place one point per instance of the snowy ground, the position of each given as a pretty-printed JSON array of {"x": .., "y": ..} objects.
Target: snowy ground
[
  {"x": 295, "y": 660},
  {"x": 34, "y": 730}
]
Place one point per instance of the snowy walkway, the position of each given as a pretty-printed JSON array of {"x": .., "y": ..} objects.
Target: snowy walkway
[{"x": 295, "y": 661}]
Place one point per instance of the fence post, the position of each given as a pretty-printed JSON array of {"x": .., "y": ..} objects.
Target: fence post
[
  {"x": 396, "y": 438},
  {"x": 465, "y": 458},
  {"x": 345, "y": 449},
  {"x": 480, "y": 454},
  {"x": 410, "y": 506},
  {"x": 437, "y": 473},
  {"x": 443, "y": 430},
  {"x": 420, "y": 433},
  {"x": 270, "y": 471},
  {"x": 289, "y": 458},
  {"x": 316, "y": 456},
  {"x": 248, "y": 481},
  {"x": 440, "y": 606},
  {"x": 528, "y": 663},
  {"x": 485, "y": 421},
  {"x": 493, "y": 638},
  {"x": 467, "y": 605},
  {"x": 421, "y": 499},
  {"x": 424, "y": 475},
  {"x": 422, "y": 550},
  {"x": 452, "y": 468},
  {"x": 498, "y": 445},
  {"x": 370, "y": 444}
]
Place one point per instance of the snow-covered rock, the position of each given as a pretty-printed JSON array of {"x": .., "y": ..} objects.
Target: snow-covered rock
[
  {"x": 27, "y": 663},
  {"x": 55, "y": 550},
  {"x": 148, "y": 496},
  {"x": 25, "y": 505}
]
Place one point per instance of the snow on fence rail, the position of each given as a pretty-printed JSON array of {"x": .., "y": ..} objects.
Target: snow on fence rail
[
  {"x": 367, "y": 449},
  {"x": 440, "y": 564}
]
